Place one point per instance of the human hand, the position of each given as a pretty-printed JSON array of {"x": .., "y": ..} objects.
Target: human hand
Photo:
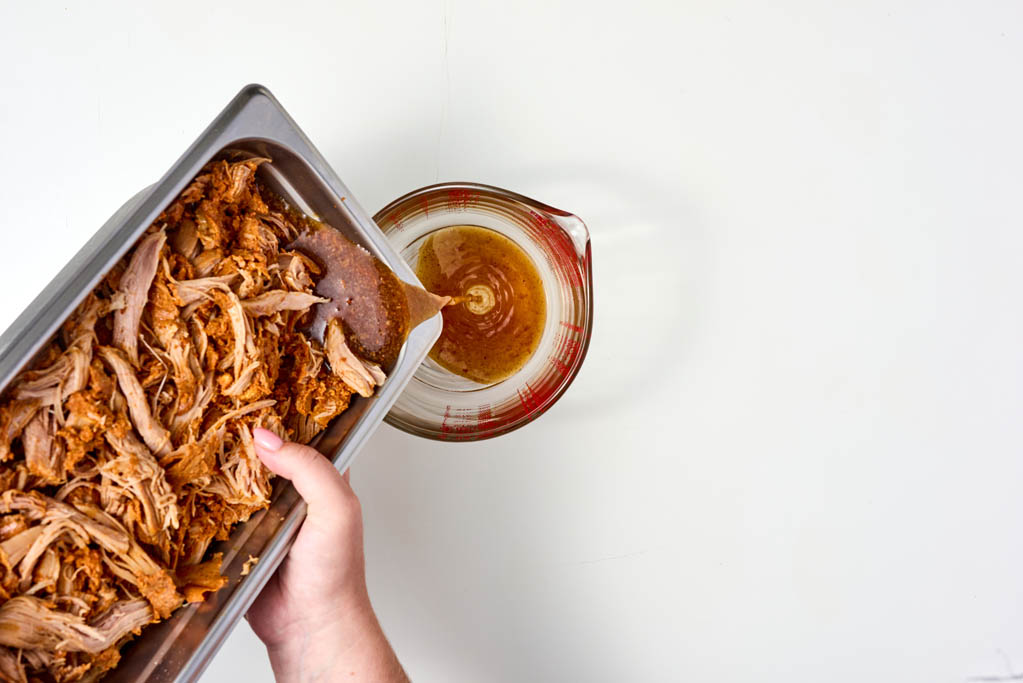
[{"x": 314, "y": 616}]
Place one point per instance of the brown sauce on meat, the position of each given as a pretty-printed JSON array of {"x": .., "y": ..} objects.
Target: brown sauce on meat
[
  {"x": 376, "y": 308},
  {"x": 364, "y": 294},
  {"x": 497, "y": 323}
]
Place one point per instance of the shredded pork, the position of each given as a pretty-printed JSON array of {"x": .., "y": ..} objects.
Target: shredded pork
[{"x": 126, "y": 449}]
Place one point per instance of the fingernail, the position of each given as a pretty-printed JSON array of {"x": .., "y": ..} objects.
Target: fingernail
[{"x": 267, "y": 439}]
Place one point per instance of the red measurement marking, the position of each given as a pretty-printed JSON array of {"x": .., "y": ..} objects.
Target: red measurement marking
[
  {"x": 456, "y": 426},
  {"x": 529, "y": 399},
  {"x": 526, "y": 400},
  {"x": 566, "y": 342},
  {"x": 541, "y": 220},
  {"x": 559, "y": 247},
  {"x": 462, "y": 199},
  {"x": 562, "y": 344},
  {"x": 569, "y": 352},
  {"x": 566, "y": 349},
  {"x": 571, "y": 347},
  {"x": 395, "y": 218},
  {"x": 426, "y": 205},
  {"x": 483, "y": 417}
]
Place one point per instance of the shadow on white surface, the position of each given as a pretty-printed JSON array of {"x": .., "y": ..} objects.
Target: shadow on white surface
[{"x": 241, "y": 658}]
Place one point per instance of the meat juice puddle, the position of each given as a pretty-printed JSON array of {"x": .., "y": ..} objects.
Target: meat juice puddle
[{"x": 495, "y": 321}]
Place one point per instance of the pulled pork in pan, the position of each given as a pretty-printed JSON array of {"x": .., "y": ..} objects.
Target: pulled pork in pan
[{"x": 126, "y": 449}]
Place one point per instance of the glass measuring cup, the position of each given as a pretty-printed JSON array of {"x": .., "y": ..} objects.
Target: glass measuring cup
[{"x": 438, "y": 404}]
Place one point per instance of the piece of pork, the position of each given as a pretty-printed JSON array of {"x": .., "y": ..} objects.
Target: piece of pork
[
  {"x": 136, "y": 470},
  {"x": 184, "y": 426},
  {"x": 88, "y": 415},
  {"x": 172, "y": 334},
  {"x": 69, "y": 373},
  {"x": 192, "y": 463},
  {"x": 156, "y": 436},
  {"x": 242, "y": 479},
  {"x": 91, "y": 523},
  {"x": 14, "y": 417},
  {"x": 65, "y": 376},
  {"x": 276, "y": 300},
  {"x": 164, "y": 315},
  {"x": 17, "y": 546},
  {"x": 306, "y": 427},
  {"x": 200, "y": 340},
  {"x": 28, "y": 623},
  {"x": 135, "y": 283},
  {"x": 196, "y": 189},
  {"x": 241, "y": 174},
  {"x": 347, "y": 365},
  {"x": 238, "y": 412},
  {"x": 44, "y": 453},
  {"x": 45, "y": 573},
  {"x": 240, "y": 329},
  {"x": 125, "y": 557},
  {"x": 376, "y": 372},
  {"x": 123, "y": 617},
  {"x": 199, "y": 579},
  {"x": 244, "y": 379},
  {"x": 255, "y": 236},
  {"x": 185, "y": 239},
  {"x": 31, "y": 504},
  {"x": 11, "y": 668},
  {"x": 11, "y": 525},
  {"x": 51, "y": 530},
  {"x": 186, "y": 373},
  {"x": 190, "y": 291},
  {"x": 36, "y": 659},
  {"x": 244, "y": 355},
  {"x": 107, "y": 534},
  {"x": 207, "y": 260},
  {"x": 296, "y": 271}
]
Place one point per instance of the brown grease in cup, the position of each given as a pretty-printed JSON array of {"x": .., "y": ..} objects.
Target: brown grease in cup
[{"x": 499, "y": 307}]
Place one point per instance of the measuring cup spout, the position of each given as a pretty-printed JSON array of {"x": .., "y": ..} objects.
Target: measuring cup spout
[{"x": 576, "y": 230}]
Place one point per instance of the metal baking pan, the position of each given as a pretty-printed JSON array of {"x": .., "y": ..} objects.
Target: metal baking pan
[{"x": 255, "y": 124}]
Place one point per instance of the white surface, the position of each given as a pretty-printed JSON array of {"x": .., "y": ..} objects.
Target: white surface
[{"x": 793, "y": 452}]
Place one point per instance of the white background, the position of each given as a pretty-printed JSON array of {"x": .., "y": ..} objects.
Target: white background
[{"x": 793, "y": 453}]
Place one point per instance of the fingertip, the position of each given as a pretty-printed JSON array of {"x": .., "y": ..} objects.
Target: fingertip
[
  {"x": 269, "y": 457},
  {"x": 266, "y": 440}
]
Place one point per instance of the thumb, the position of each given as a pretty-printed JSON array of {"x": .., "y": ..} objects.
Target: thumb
[{"x": 315, "y": 477}]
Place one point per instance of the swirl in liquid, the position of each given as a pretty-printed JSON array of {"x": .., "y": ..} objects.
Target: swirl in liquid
[{"x": 497, "y": 322}]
